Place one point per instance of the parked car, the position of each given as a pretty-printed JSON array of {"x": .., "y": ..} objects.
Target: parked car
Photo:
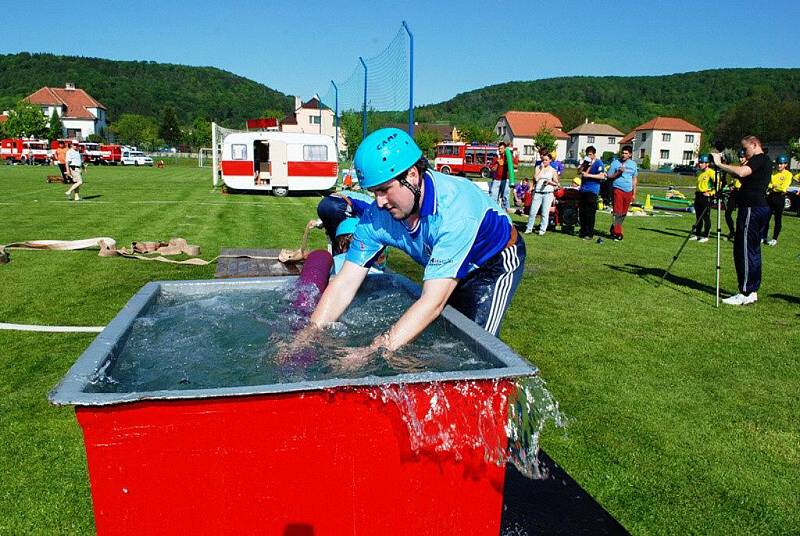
[
  {"x": 793, "y": 199},
  {"x": 135, "y": 158},
  {"x": 684, "y": 169},
  {"x": 571, "y": 162}
]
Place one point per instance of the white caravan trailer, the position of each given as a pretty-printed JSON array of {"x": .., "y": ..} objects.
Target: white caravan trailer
[{"x": 279, "y": 162}]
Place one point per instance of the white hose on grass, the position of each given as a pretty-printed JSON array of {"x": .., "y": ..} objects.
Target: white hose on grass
[{"x": 52, "y": 329}]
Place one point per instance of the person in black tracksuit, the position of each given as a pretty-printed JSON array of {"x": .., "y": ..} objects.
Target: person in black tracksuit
[{"x": 753, "y": 211}]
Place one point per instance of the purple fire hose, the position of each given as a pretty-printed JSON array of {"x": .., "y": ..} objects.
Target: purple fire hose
[{"x": 310, "y": 284}]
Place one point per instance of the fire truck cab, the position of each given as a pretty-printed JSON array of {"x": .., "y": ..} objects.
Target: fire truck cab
[
  {"x": 278, "y": 162},
  {"x": 19, "y": 150},
  {"x": 460, "y": 158}
]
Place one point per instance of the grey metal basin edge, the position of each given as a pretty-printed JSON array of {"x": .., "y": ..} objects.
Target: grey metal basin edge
[{"x": 98, "y": 356}]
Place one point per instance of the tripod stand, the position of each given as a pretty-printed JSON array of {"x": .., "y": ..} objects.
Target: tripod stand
[{"x": 718, "y": 196}]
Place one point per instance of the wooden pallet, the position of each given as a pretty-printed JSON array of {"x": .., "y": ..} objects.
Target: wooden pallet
[{"x": 246, "y": 267}]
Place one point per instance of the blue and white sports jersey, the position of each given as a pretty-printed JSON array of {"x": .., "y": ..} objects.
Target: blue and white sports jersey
[
  {"x": 360, "y": 201},
  {"x": 459, "y": 229},
  {"x": 629, "y": 170}
]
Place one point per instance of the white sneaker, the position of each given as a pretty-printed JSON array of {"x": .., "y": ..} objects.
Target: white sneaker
[
  {"x": 528, "y": 231},
  {"x": 541, "y": 233},
  {"x": 694, "y": 237},
  {"x": 772, "y": 242},
  {"x": 741, "y": 299},
  {"x": 703, "y": 240}
]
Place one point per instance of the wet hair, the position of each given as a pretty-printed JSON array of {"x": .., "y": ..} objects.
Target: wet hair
[
  {"x": 627, "y": 148},
  {"x": 591, "y": 150}
]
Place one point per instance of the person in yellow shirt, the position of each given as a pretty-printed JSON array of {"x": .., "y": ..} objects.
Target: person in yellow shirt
[
  {"x": 776, "y": 198},
  {"x": 703, "y": 199},
  {"x": 733, "y": 185}
]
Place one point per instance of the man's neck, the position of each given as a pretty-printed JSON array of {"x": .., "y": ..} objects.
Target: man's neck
[{"x": 413, "y": 218}]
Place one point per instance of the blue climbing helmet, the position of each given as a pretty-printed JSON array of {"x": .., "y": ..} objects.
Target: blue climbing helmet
[
  {"x": 383, "y": 155},
  {"x": 782, "y": 159},
  {"x": 704, "y": 159},
  {"x": 347, "y": 226}
]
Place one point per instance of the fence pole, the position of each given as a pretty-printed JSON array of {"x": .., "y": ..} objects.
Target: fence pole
[
  {"x": 336, "y": 117},
  {"x": 410, "y": 81},
  {"x": 214, "y": 156},
  {"x": 364, "y": 109}
]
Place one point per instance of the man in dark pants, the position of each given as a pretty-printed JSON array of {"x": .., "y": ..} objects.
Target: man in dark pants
[
  {"x": 752, "y": 214},
  {"x": 592, "y": 175}
]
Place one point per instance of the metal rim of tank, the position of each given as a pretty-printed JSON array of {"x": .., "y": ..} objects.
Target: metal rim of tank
[{"x": 70, "y": 390}]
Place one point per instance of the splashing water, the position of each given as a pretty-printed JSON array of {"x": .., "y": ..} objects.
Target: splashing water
[{"x": 446, "y": 427}]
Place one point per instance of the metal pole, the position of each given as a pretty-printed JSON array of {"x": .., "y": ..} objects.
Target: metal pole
[
  {"x": 410, "y": 81},
  {"x": 214, "y": 156},
  {"x": 364, "y": 109},
  {"x": 336, "y": 117},
  {"x": 718, "y": 193}
]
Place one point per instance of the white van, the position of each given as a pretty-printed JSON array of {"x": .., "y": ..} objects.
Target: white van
[
  {"x": 131, "y": 157},
  {"x": 278, "y": 162}
]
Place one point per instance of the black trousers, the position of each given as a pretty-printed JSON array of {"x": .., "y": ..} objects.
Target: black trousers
[
  {"x": 587, "y": 212},
  {"x": 776, "y": 202},
  {"x": 747, "y": 247},
  {"x": 702, "y": 214},
  {"x": 730, "y": 206}
]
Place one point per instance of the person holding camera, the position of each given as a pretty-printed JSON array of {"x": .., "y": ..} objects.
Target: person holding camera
[
  {"x": 546, "y": 183},
  {"x": 703, "y": 199},
  {"x": 752, "y": 214},
  {"x": 776, "y": 198},
  {"x": 592, "y": 174}
]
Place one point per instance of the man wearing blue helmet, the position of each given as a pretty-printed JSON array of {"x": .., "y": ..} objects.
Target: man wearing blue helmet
[{"x": 472, "y": 254}]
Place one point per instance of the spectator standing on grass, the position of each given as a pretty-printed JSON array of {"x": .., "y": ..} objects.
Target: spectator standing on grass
[
  {"x": 776, "y": 198},
  {"x": 625, "y": 176},
  {"x": 75, "y": 171},
  {"x": 546, "y": 183},
  {"x": 497, "y": 190},
  {"x": 703, "y": 199},
  {"x": 730, "y": 200},
  {"x": 752, "y": 214},
  {"x": 61, "y": 161},
  {"x": 592, "y": 173}
]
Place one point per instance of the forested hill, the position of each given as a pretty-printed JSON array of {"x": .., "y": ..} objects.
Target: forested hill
[
  {"x": 624, "y": 102},
  {"x": 142, "y": 87}
]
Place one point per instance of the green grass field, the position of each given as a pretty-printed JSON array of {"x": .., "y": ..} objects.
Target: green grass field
[{"x": 683, "y": 418}]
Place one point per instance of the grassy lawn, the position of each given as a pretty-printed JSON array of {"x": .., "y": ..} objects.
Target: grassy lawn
[{"x": 683, "y": 418}]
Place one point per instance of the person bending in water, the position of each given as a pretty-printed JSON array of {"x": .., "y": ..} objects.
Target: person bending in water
[{"x": 473, "y": 256}]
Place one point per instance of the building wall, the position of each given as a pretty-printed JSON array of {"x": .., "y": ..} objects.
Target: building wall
[
  {"x": 577, "y": 148},
  {"x": 85, "y": 126},
  {"x": 677, "y": 146},
  {"x": 313, "y": 121}
]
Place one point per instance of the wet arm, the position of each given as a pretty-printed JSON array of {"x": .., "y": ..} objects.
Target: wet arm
[
  {"x": 340, "y": 292},
  {"x": 435, "y": 293}
]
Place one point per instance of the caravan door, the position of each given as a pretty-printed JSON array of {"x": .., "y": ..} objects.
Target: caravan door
[{"x": 279, "y": 181}]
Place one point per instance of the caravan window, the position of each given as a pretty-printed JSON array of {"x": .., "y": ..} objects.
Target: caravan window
[
  {"x": 239, "y": 151},
  {"x": 316, "y": 153}
]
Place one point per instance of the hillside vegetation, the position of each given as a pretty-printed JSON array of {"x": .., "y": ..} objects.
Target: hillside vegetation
[
  {"x": 142, "y": 87},
  {"x": 625, "y": 102}
]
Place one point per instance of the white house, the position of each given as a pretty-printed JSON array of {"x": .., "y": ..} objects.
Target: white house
[
  {"x": 80, "y": 114},
  {"x": 666, "y": 140},
  {"x": 600, "y": 136},
  {"x": 312, "y": 117},
  {"x": 519, "y": 129}
]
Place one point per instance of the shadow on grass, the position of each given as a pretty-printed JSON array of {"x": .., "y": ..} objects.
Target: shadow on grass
[
  {"x": 787, "y": 297},
  {"x": 653, "y": 276},
  {"x": 91, "y": 196}
]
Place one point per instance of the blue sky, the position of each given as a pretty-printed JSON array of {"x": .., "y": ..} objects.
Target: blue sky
[{"x": 297, "y": 47}]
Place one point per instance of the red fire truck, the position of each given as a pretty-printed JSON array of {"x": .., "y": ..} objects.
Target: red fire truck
[
  {"x": 111, "y": 154},
  {"x": 461, "y": 158},
  {"x": 91, "y": 153},
  {"x": 13, "y": 150}
]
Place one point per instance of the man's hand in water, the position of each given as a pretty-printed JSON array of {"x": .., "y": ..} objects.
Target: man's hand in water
[
  {"x": 355, "y": 358},
  {"x": 304, "y": 338}
]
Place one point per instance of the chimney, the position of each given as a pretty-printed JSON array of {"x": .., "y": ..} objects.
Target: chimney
[
  {"x": 70, "y": 85},
  {"x": 297, "y": 103}
]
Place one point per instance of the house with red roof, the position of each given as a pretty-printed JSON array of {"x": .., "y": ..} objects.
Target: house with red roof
[
  {"x": 312, "y": 117},
  {"x": 80, "y": 113},
  {"x": 519, "y": 129},
  {"x": 666, "y": 140}
]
